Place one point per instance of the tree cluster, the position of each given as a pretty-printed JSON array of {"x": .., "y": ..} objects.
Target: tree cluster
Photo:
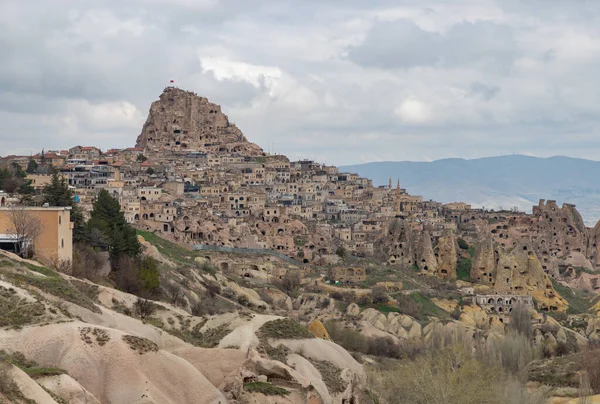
[
  {"x": 105, "y": 231},
  {"x": 12, "y": 179}
]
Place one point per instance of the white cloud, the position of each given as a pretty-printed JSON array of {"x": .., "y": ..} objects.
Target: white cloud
[
  {"x": 226, "y": 69},
  {"x": 413, "y": 111}
]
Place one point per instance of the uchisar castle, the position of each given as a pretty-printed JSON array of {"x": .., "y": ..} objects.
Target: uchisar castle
[{"x": 194, "y": 180}]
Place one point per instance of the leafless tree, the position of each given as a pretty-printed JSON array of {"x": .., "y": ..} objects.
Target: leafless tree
[
  {"x": 26, "y": 228},
  {"x": 175, "y": 293},
  {"x": 144, "y": 308}
]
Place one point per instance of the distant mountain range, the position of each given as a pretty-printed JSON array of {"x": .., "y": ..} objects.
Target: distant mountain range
[{"x": 496, "y": 182}]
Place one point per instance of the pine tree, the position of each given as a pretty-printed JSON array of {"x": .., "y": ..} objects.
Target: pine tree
[
  {"x": 32, "y": 166},
  {"x": 57, "y": 193},
  {"x": 107, "y": 218}
]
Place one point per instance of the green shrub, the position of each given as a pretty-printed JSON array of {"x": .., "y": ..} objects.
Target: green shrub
[
  {"x": 284, "y": 328},
  {"x": 32, "y": 368},
  {"x": 265, "y": 388},
  {"x": 462, "y": 244},
  {"x": 463, "y": 269}
]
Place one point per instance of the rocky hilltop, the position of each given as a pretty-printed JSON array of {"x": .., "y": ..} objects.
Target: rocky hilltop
[{"x": 183, "y": 121}]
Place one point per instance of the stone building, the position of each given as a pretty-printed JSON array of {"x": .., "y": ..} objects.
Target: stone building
[
  {"x": 348, "y": 275},
  {"x": 501, "y": 303},
  {"x": 54, "y": 244}
]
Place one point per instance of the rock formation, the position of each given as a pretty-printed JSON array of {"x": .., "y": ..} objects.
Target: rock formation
[
  {"x": 181, "y": 121},
  {"x": 427, "y": 261},
  {"x": 446, "y": 256}
]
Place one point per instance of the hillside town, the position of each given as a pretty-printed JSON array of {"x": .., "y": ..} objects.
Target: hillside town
[
  {"x": 194, "y": 178},
  {"x": 197, "y": 180},
  {"x": 230, "y": 235}
]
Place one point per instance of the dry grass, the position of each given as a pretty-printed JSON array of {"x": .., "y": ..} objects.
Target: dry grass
[
  {"x": 16, "y": 311},
  {"x": 8, "y": 388},
  {"x": 448, "y": 376},
  {"x": 101, "y": 336},
  {"x": 32, "y": 368},
  {"x": 284, "y": 328},
  {"x": 265, "y": 388},
  {"x": 330, "y": 374},
  {"x": 141, "y": 345},
  {"x": 53, "y": 284}
]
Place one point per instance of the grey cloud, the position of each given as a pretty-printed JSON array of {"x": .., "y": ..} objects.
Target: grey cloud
[
  {"x": 402, "y": 44},
  {"x": 484, "y": 91},
  {"x": 61, "y": 68}
]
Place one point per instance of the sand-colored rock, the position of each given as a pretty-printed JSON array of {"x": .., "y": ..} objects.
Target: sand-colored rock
[
  {"x": 318, "y": 330},
  {"x": 474, "y": 316},
  {"x": 446, "y": 250},
  {"x": 29, "y": 388},
  {"x": 426, "y": 257},
  {"x": 67, "y": 388},
  {"x": 397, "y": 324},
  {"x": 354, "y": 310},
  {"x": 445, "y": 304},
  {"x": 151, "y": 251},
  {"x": 183, "y": 121},
  {"x": 112, "y": 372}
]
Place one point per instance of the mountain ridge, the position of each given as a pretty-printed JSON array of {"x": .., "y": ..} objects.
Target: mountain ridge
[{"x": 494, "y": 182}]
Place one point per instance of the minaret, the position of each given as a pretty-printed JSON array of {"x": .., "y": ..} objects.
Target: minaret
[
  {"x": 397, "y": 196},
  {"x": 390, "y": 183}
]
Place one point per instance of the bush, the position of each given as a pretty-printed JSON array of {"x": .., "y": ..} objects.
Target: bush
[
  {"x": 349, "y": 339},
  {"x": 265, "y": 388},
  {"x": 364, "y": 300},
  {"x": 521, "y": 320},
  {"x": 229, "y": 293},
  {"x": 336, "y": 296},
  {"x": 325, "y": 303},
  {"x": 87, "y": 263},
  {"x": 462, "y": 244},
  {"x": 408, "y": 306},
  {"x": 590, "y": 367},
  {"x": 354, "y": 341},
  {"x": 448, "y": 376},
  {"x": 137, "y": 276},
  {"x": 174, "y": 293},
  {"x": 384, "y": 346},
  {"x": 341, "y": 252},
  {"x": 284, "y": 328},
  {"x": 8, "y": 388},
  {"x": 212, "y": 288},
  {"x": 144, "y": 308},
  {"x": 289, "y": 284},
  {"x": 206, "y": 306},
  {"x": 514, "y": 352},
  {"x": 208, "y": 268},
  {"x": 379, "y": 296},
  {"x": 243, "y": 300}
]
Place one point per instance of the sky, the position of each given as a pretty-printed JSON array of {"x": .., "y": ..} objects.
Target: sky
[{"x": 338, "y": 81}]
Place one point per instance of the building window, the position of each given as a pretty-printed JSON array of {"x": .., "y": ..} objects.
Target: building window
[
  {"x": 60, "y": 220},
  {"x": 62, "y": 243}
]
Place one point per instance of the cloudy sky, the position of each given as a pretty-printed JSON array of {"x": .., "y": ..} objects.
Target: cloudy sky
[{"x": 341, "y": 81}]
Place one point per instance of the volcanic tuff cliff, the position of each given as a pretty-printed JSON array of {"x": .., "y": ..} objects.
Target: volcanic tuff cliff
[{"x": 183, "y": 121}]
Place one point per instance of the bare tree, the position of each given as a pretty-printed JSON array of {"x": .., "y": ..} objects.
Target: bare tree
[
  {"x": 144, "y": 308},
  {"x": 26, "y": 228},
  {"x": 175, "y": 293}
]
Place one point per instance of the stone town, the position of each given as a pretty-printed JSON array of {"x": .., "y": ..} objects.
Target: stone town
[{"x": 194, "y": 178}]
